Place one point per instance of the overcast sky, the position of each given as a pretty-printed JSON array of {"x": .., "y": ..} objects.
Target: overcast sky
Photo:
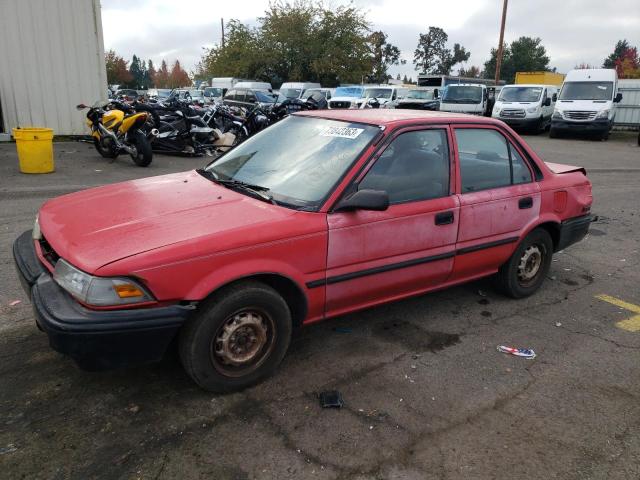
[{"x": 573, "y": 31}]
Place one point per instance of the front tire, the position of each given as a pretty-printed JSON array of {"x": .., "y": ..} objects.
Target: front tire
[
  {"x": 237, "y": 338},
  {"x": 553, "y": 133},
  {"x": 527, "y": 268},
  {"x": 144, "y": 154},
  {"x": 103, "y": 150}
]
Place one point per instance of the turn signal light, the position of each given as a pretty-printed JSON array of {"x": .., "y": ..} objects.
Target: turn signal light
[{"x": 126, "y": 290}]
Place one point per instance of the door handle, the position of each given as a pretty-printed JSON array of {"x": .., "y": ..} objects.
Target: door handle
[
  {"x": 526, "y": 202},
  {"x": 444, "y": 218}
]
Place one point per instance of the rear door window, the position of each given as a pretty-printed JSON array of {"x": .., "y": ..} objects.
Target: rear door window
[{"x": 488, "y": 160}]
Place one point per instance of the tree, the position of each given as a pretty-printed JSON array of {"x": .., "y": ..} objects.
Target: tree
[
  {"x": 135, "y": 70},
  {"x": 383, "y": 55},
  {"x": 178, "y": 77},
  {"x": 432, "y": 55},
  {"x": 583, "y": 66},
  {"x": 628, "y": 65},
  {"x": 471, "y": 72},
  {"x": 301, "y": 40},
  {"x": 117, "y": 72},
  {"x": 405, "y": 79},
  {"x": 151, "y": 75},
  {"x": 618, "y": 51},
  {"x": 526, "y": 54},
  {"x": 162, "y": 76}
]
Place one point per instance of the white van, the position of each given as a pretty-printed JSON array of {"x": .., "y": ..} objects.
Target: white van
[
  {"x": 465, "y": 98},
  {"x": 253, "y": 85},
  {"x": 527, "y": 106},
  {"x": 225, "y": 83},
  {"x": 296, "y": 89},
  {"x": 587, "y": 102}
]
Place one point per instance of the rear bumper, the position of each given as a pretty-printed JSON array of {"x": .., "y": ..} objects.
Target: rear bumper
[
  {"x": 595, "y": 126},
  {"x": 95, "y": 339},
  {"x": 573, "y": 230}
]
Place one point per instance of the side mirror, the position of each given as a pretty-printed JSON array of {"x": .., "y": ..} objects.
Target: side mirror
[
  {"x": 618, "y": 98},
  {"x": 547, "y": 102},
  {"x": 554, "y": 97},
  {"x": 82, "y": 106},
  {"x": 364, "y": 200}
]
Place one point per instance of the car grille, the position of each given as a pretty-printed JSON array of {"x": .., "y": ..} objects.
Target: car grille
[
  {"x": 338, "y": 104},
  {"x": 576, "y": 115},
  {"x": 48, "y": 252},
  {"x": 512, "y": 113}
]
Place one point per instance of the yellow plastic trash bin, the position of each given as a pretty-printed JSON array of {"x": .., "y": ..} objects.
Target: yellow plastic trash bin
[{"x": 35, "y": 149}]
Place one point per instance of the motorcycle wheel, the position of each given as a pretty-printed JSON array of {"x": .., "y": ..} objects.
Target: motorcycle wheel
[
  {"x": 105, "y": 152},
  {"x": 144, "y": 153}
]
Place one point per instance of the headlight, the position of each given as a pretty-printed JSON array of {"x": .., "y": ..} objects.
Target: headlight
[
  {"x": 37, "y": 234},
  {"x": 557, "y": 114},
  {"x": 532, "y": 110},
  {"x": 496, "y": 111},
  {"x": 603, "y": 114},
  {"x": 98, "y": 291}
]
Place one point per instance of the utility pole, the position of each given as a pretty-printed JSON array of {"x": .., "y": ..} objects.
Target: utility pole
[
  {"x": 222, "y": 25},
  {"x": 499, "y": 55}
]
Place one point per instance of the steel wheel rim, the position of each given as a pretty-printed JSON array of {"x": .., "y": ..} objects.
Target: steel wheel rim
[
  {"x": 242, "y": 342},
  {"x": 530, "y": 264}
]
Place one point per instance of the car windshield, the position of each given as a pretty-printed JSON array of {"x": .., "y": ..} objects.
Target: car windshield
[
  {"x": 303, "y": 170},
  {"x": 349, "y": 92},
  {"x": 291, "y": 92},
  {"x": 377, "y": 92},
  {"x": 587, "y": 91},
  {"x": 462, "y": 94},
  {"x": 212, "y": 92},
  {"x": 520, "y": 94},
  {"x": 195, "y": 93},
  {"x": 310, "y": 92},
  {"x": 164, "y": 93},
  {"x": 420, "y": 94},
  {"x": 265, "y": 97}
]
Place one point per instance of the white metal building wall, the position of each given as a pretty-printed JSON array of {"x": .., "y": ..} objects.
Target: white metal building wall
[
  {"x": 628, "y": 110},
  {"x": 51, "y": 59}
]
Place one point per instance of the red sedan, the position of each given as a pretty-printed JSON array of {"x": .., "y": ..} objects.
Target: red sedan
[{"x": 321, "y": 214}]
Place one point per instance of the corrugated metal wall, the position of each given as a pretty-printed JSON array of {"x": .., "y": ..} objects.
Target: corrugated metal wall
[
  {"x": 51, "y": 59},
  {"x": 628, "y": 110}
]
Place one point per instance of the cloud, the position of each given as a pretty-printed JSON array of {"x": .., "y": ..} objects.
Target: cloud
[{"x": 573, "y": 31}]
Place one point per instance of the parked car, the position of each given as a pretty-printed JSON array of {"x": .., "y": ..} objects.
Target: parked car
[
  {"x": 587, "y": 103},
  {"x": 526, "y": 106},
  {"x": 421, "y": 98},
  {"x": 248, "y": 97},
  {"x": 327, "y": 93},
  {"x": 127, "y": 94},
  {"x": 354, "y": 209},
  {"x": 346, "y": 96},
  {"x": 211, "y": 94},
  {"x": 387, "y": 96},
  {"x": 225, "y": 83},
  {"x": 296, "y": 89}
]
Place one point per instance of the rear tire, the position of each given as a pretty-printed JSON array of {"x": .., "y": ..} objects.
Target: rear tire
[
  {"x": 237, "y": 337},
  {"x": 144, "y": 154},
  {"x": 527, "y": 268}
]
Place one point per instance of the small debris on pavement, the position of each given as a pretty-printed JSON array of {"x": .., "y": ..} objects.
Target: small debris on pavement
[
  {"x": 343, "y": 330},
  {"x": 133, "y": 408},
  {"x": 518, "y": 352},
  {"x": 331, "y": 399},
  {"x": 482, "y": 293},
  {"x": 558, "y": 324},
  {"x": 14, "y": 303},
  {"x": 8, "y": 449},
  {"x": 96, "y": 170}
]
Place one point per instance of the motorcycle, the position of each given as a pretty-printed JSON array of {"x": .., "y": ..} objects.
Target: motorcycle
[{"x": 114, "y": 132}]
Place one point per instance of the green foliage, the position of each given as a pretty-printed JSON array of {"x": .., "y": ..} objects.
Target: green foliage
[
  {"x": 302, "y": 41},
  {"x": 432, "y": 56},
  {"x": 621, "y": 47},
  {"x": 526, "y": 54},
  {"x": 117, "y": 71}
]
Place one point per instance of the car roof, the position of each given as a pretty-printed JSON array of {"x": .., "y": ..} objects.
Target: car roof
[{"x": 392, "y": 117}]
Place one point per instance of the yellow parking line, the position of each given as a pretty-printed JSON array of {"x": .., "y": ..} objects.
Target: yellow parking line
[{"x": 631, "y": 324}]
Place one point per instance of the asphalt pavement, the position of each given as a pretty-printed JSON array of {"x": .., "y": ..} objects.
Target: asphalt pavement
[{"x": 427, "y": 395}]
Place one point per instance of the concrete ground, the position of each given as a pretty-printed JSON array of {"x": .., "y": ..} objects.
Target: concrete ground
[{"x": 427, "y": 396}]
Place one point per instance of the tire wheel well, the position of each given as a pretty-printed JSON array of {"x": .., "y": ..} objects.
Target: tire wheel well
[
  {"x": 553, "y": 229},
  {"x": 287, "y": 288}
]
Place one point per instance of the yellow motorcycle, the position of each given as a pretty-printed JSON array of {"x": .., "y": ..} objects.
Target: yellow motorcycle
[{"x": 115, "y": 132}]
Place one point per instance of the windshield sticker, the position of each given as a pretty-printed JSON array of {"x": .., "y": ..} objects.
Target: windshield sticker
[
  {"x": 602, "y": 87},
  {"x": 342, "y": 132}
]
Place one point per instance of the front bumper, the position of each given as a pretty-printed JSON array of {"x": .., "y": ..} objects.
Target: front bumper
[
  {"x": 573, "y": 230},
  {"x": 525, "y": 122},
  {"x": 95, "y": 339},
  {"x": 594, "y": 126}
]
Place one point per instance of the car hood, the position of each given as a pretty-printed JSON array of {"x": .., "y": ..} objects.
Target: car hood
[
  {"x": 583, "y": 105},
  {"x": 418, "y": 100},
  {"x": 95, "y": 227}
]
